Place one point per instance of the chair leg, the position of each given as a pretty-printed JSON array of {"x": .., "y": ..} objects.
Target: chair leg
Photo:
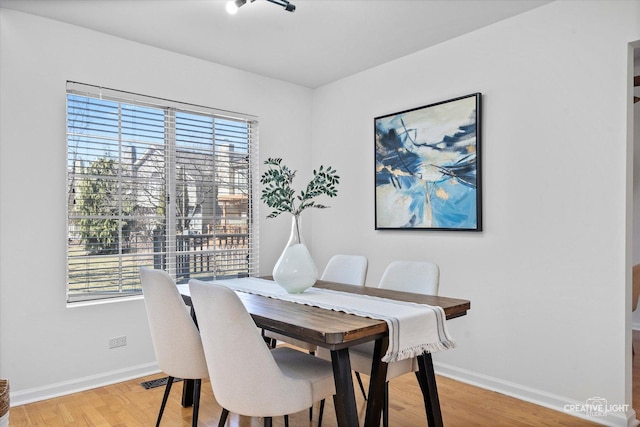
[
  {"x": 197, "y": 386},
  {"x": 364, "y": 394},
  {"x": 385, "y": 406},
  {"x": 320, "y": 413},
  {"x": 286, "y": 421},
  {"x": 164, "y": 399},
  {"x": 223, "y": 418},
  {"x": 267, "y": 422}
]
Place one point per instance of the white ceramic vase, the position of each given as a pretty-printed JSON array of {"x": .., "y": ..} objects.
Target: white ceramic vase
[{"x": 295, "y": 270}]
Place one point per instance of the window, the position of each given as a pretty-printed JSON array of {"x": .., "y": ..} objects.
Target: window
[{"x": 156, "y": 183}]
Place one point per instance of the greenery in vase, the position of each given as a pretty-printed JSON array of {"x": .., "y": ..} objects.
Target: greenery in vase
[{"x": 280, "y": 196}]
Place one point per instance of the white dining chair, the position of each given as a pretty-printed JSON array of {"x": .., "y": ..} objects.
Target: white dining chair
[
  {"x": 247, "y": 377},
  {"x": 348, "y": 269},
  {"x": 421, "y": 277},
  {"x": 176, "y": 340}
]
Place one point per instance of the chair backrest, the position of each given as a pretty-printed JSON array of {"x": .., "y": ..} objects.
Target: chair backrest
[
  {"x": 244, "y": 375},
  {"x": 349, "y": 269},
  {"x": 176, "y": 339},
  {"x": 421, "y": 277}
]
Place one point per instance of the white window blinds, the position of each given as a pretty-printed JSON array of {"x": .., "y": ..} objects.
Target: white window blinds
[{"x": 156, "y": 183}]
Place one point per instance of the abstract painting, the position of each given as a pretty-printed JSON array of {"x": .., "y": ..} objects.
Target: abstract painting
[{"x": 427, "y": 167}]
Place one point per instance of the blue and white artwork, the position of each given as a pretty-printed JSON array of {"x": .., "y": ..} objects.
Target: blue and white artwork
[{"x": 427, "y": 167}]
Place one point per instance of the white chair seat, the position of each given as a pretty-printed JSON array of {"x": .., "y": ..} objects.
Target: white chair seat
[
  {"x": 295, "y": 364},
  {"x": 360, "y": 357},
  {"x": 361, "y": 360}
]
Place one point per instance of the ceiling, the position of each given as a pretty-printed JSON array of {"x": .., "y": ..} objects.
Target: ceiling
[{"x": 322, "y": 41}]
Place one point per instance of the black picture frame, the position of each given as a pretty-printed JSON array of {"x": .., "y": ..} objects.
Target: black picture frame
[{"x": 428, "y": 167}]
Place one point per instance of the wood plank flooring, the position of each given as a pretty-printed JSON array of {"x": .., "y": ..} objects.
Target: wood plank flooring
[{"x": 129, "y": 404}]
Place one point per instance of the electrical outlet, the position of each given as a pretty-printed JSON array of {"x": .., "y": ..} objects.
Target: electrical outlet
[{"x": 118, "y": 342}]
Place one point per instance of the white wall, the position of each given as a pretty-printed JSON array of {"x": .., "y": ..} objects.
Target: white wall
[
  {"x": 45, "y": 347},
  {"x": 546, "y": 278}
]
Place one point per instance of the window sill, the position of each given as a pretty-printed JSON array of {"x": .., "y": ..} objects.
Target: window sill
[{"x": 111, "y": 300}]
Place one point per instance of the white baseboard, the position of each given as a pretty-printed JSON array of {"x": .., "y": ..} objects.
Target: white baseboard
[
  {"x": 537, "y": 397},
  {"x": 81, "y": 384}
]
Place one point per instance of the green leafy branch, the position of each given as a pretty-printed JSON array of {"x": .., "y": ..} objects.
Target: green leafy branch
[{"x": 279, "y": 195}]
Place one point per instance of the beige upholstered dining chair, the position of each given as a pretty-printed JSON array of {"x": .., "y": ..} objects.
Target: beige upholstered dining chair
[
  {"x": 176, "y": 339},
  {"x": 349, "y": 269},
  {"x": 409, "y": 276},
  {"x": 247, "y": 377}
]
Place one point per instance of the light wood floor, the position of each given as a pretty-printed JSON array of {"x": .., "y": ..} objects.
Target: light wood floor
[{"x": 129, "y": 404}]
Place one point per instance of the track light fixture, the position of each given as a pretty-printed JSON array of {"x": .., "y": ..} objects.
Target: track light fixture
[
  {"x": 234, "y": 5},
  {"x": 284, "y": 3}
]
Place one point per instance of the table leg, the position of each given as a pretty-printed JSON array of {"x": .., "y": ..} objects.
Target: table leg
[
  {"x": 344, "y": 399},
  {"x": 427, "y": 381},
  {"x": 377, "y": 383}
]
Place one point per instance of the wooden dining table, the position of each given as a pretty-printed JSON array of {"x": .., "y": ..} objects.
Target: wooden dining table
[{"x": 337, "y": 331}]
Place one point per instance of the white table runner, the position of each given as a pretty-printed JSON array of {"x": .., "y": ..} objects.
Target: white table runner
[{"x": 413, "y": 328}]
